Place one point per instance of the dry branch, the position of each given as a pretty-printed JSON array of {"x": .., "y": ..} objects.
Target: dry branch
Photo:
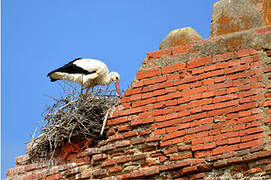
[{"x": 73, "y": 118}]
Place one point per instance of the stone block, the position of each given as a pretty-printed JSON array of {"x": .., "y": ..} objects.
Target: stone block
[
  {"x": 231, "y": 16},
  {"x": 181, "y": 36}
]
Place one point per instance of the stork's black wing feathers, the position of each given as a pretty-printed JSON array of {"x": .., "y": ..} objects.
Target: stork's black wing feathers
[{"x": 70, "y": 68}]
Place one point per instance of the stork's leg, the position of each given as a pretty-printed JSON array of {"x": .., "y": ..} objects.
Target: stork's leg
[{"x": 87, "y": 90}]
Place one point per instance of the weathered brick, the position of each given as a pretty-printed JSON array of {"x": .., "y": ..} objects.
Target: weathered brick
[
  {"x": 123, "y": 159},
  {"x": 170, "y": 150},
  {"x": 199, "y": 62},
  {"x": 246, "y": 52},
  {"x": 251, "y": 144},
  {"x": 130, "y": 134},
  {"x": 174, "y": 68},
  {"x": 189, "y": 169},
  {"x": 108, "y": 162},
  {"x": 131, "y": 92},
  {"x": 99, "y": 172},
  {"x": 254, "y": 170},
  {"x": 223, "y": 57},
  {"x": 148, "y": 73},
  {"x": 154, "y": 80},
  {"x": 99, "y": 157},
  {"x": 174, "y": 135},
  {"x": 115, "y": 169},
  {"x": 181, "y": 156}
]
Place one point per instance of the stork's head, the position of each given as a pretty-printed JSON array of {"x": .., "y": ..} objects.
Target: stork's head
[{"x": 116, "y": 78}]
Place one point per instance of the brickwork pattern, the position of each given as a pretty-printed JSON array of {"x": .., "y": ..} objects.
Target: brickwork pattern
[
  {"x": 181, "y": 118},
  {"x": 194, "y": 111}
]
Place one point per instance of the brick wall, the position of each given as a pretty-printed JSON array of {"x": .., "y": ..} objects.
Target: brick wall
[{"x": 194, "y": 111}]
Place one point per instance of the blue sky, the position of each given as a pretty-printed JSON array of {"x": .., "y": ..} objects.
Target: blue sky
[{"x": 39, "y": 36}]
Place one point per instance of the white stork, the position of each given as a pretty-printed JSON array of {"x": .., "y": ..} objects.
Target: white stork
[{"x": 87, "y": 72}]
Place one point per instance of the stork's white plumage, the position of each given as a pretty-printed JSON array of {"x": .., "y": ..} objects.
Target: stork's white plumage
[{"x": 87, "y": 72}]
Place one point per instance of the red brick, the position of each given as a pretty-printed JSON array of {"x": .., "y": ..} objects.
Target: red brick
[
  {"x": 175, "y": 157},
  {"x": 171, "y": 129},
  {"x": 171, "y": 102},
  {"x": 245, "y": 113},
  {"x": 199, "y": 62},
  {"x": 251, "y": 144},
  {"x": 148, "y": 73},
  {"x": 154, "y": 80},
  {"x": 234, "y": 160},
  {"x": 267, "y": 103},
  {"x": 115, "y": 169},
  {"x": 117, "y": 121},
  {"x": 159, "y": 131},
  {"x": 144, "y": 102},
  {"x": 234, "y": 62},
  {"x": 181, "y": 49},
  {"x": 171, "y": 89},
  {"x": 125, "y": 99},
  {"x": 224, "y": 149},
  {"x": 174, "y": 135},
  {"x": 251, "y": 131},
  {"x": 170, "y": 150},
  {"x": 197, "y": 71},
  {"x": 188, "y": 79},
  {"x": 186, "y": 86},
  {"x": 55, "y": 176},
  {"x": 167, "y": 123},
  {"x": 202, "y": 140},
  {"x": 203, "y": 146},
  {"x": 250, "y": 118},
  {"x": 115, "y": 137},
  {"x": 189, "y": 169},
  {"x": 158, "y": 86},
  {"x": 130, "y": 134},
  {"x": 237, "y": 69},
  {"x": 183, "y": 126},
  {"x": 246, "y": 106},
  {"x": 252, "y": 137},
  {"x": 202, "y": 121},
  {"x": 246, "y": 52},
  {"x": 200, "y": 128},
  {"x": 169, "y": 96},
  {"x": 198, "y": 176},
  {"x": 255, "y": 170},
  {"x": 234, "y": 140},
  {"x": 210, "y": 67},
  {"x": 132, "y": 92},
  {"x": 173, "y": 68},
  {"x": 195, "y": 90},
  {"x": 162, "y": 158},
  {"x": 172, "y": 141},
  {"x": 123, "y": 159},
  {"x": 153, "y": 138},
  {"x": 223, "y": 57},
  {"x": 124, "y": 128},
  {"x": 263, "y": 30},
  {"x": 109, "y": 162},
  {"x": 267, "y": 119},
  {"x": 211, "y": 74},
  {"x": 98, "y": 157}
]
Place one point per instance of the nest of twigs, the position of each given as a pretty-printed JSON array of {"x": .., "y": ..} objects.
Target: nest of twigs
[{"x": 72, "y": 118}]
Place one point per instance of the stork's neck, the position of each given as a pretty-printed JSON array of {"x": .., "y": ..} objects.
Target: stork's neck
[{"x": 108, "y": 79}]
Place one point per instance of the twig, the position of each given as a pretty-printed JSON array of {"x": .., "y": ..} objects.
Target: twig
[{"x": 104, "y": 122}]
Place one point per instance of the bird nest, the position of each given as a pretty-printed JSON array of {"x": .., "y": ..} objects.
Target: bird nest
[{"x": 72, "y": 118}]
